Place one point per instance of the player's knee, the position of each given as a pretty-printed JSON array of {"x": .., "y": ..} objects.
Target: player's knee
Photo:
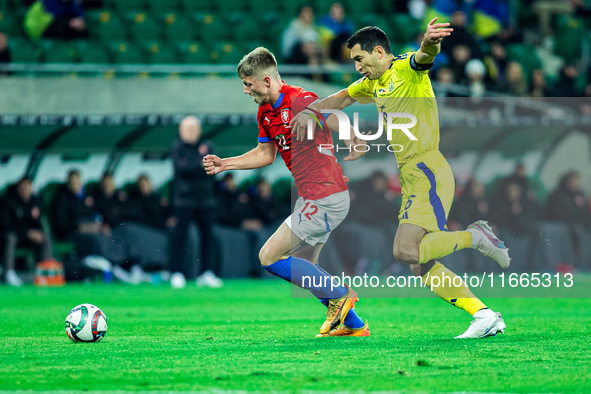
[
  {"x": 406, "y": 254},
  {"x": 266, "y": 256}
]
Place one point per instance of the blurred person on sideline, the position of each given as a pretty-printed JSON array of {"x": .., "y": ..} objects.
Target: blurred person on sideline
[
  {"x": 334, "y": 31},
  {"x": 476, "y": 72},
  {"x": 109, "y": 202},
  {"x": 238, "y": 212},
  {"x": 62, "y": 19},
  {"x": 568, "y": 203},
  {"x": 471, "y": 206},
  {"x": 20, "y": 220},
  {"x": 509, "y": 212},
  {"x": 193, "y": 200},
  {"x": 300, "y": 43},
  {"x": 4, "y": 52}
]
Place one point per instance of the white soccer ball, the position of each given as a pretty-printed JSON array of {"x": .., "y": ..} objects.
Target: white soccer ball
[{"x": 86, "y": 323}]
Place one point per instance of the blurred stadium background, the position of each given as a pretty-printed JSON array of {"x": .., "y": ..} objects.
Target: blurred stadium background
[{"x": 512, "y": 86}]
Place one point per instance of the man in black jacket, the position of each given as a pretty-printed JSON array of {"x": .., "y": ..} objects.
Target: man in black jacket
[
  {"x": 193, "y": 199},
  {"x": 20, "y": 218}
]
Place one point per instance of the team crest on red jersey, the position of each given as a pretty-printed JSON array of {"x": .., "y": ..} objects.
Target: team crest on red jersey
[{"x": 285, "y": 115}]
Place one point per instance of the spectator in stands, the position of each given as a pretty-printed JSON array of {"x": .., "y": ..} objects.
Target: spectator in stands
[
  {"x": 476, "y": 72},
  {"x": 75, "y": 219},
  {"x": 509, "y": 212},
  {"x": 238, "y": 208},
  {"x": 20, "y": 217},
  {"x": 567, "y": 83},
  {"x": 4, "y": 51},
  {"x": 461, "y": 36},
  {"x": 444, "y": 78},
  {"x": 265, "y": 205},
  {"x": 109, "y": 202},
  {"x": 528, "y": 195},
  {"x": 193, "y": 200},
  {"x": 459, "y": 58},
  {"x": 147, "y": 207},
  {"x": 335, "y": 30},
  {"x": 539, "y": 86},
  {"x": 496, "y": 63},
  {"x": 490, "y": 18},
  {"x": 568, "y": 203},
  {"x": 470, "y": 207},
  {"x": 63, "y": 19},
  {"x": 300, "y": 43},
  {"x": 516, "y": 82},
  {"x": 374, "y": 201}
]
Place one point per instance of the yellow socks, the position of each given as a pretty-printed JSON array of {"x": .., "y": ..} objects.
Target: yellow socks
[
  {"x": 436, "y": 245},
  {"x": 451, "y": 288}
]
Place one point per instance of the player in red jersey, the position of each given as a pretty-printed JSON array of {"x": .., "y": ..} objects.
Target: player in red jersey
[{"x": 292, "y": 251}]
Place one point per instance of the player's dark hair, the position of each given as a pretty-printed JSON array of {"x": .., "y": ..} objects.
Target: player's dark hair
[
  {"x": 260, "y": 60},
  {"x": 368, "y": 38}
]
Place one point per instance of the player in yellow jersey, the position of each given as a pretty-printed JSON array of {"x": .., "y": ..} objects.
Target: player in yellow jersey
[{"x": 400, "y": 84}]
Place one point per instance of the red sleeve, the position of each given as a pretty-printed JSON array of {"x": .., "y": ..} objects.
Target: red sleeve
[
  {"x": 302, "y": 99},
  {"x": 263, "y": 120}
]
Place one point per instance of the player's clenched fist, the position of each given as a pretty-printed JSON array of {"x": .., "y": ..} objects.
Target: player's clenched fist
[{"x": 212, "y": 164}]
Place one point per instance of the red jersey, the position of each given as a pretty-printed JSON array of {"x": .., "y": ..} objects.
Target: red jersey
[{"x": 316, "y": 171}]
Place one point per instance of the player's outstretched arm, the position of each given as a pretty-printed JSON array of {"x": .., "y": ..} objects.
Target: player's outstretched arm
[
  {"x": 431, "y": 44},
  {"x": 339, "y": 100},
  {"x": 261, "y": 156},
  {"x": 358, "y": 147}
]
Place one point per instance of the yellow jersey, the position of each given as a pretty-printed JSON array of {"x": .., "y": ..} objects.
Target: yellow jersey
[{"x": 404, "y": 87}]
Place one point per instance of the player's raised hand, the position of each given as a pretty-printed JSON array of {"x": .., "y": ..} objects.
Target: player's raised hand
[
  {"x": 299, "y": 125},
  {"x": 212, "y": 164},
  {"x": 436, "y": 32},
  {"x": 358, "y": 147}
]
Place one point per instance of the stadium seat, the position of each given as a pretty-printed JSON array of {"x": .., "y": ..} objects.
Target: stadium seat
[
  {"x": 356, "y": 7},
  {"x": 212, "y": 28},
  {"x": 258, "y": 7},
  {"x": 143, "y": 27},
  {"x": 9, "y": 24},
  {"x": 59, "y": 52},
  {"x": 193, "y": 52},
  {"x": 228, "y": 6},
  {"x": 92, "y": 52},
  {"x": 226, "y": 53},
  {"x": 126, "y": 53},
  {"x": 567, "y": 40},
  {"x": 23, "y": 51},
  {"x": 124, "y": 6},
  {"x": 248, "y": 29},
  {"x": 178, "y": 28},
  {"x": 158, "y": 53},
  {"x": 109, "y": 27},
  {"x": 164, "y": 5},
  {"x": 192, "y": 6},
  {"x": 401, "y": 28}
]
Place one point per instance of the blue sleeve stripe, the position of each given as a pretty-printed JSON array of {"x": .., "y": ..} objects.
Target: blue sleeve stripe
[
  {"x": 325, "y": 116},
  {"x": 264, "y": 139},
  {"x": 419, "y": 66},
  {"x": 434, "y": 198}
]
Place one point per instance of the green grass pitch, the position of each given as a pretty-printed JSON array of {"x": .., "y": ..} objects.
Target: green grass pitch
[{"x": 252, "y": 335}]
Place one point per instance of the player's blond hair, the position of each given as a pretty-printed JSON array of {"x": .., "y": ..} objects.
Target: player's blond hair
[{"x": 259, "y": 63}]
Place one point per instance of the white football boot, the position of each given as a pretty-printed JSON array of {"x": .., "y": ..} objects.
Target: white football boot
[
  {"x": 487, "y": 243},
  {"x": 486, "y": 323}
]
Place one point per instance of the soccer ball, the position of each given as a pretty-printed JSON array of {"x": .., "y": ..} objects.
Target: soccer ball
[{"x": 86, "y": 323}]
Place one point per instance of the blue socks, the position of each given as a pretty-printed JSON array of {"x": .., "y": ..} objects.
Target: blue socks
[{"x": 307, "y": 275}]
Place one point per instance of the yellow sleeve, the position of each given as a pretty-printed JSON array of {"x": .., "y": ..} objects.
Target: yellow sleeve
[
  {"x": 405, "y": 66},
  {"x": 362, "y": 91}
]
